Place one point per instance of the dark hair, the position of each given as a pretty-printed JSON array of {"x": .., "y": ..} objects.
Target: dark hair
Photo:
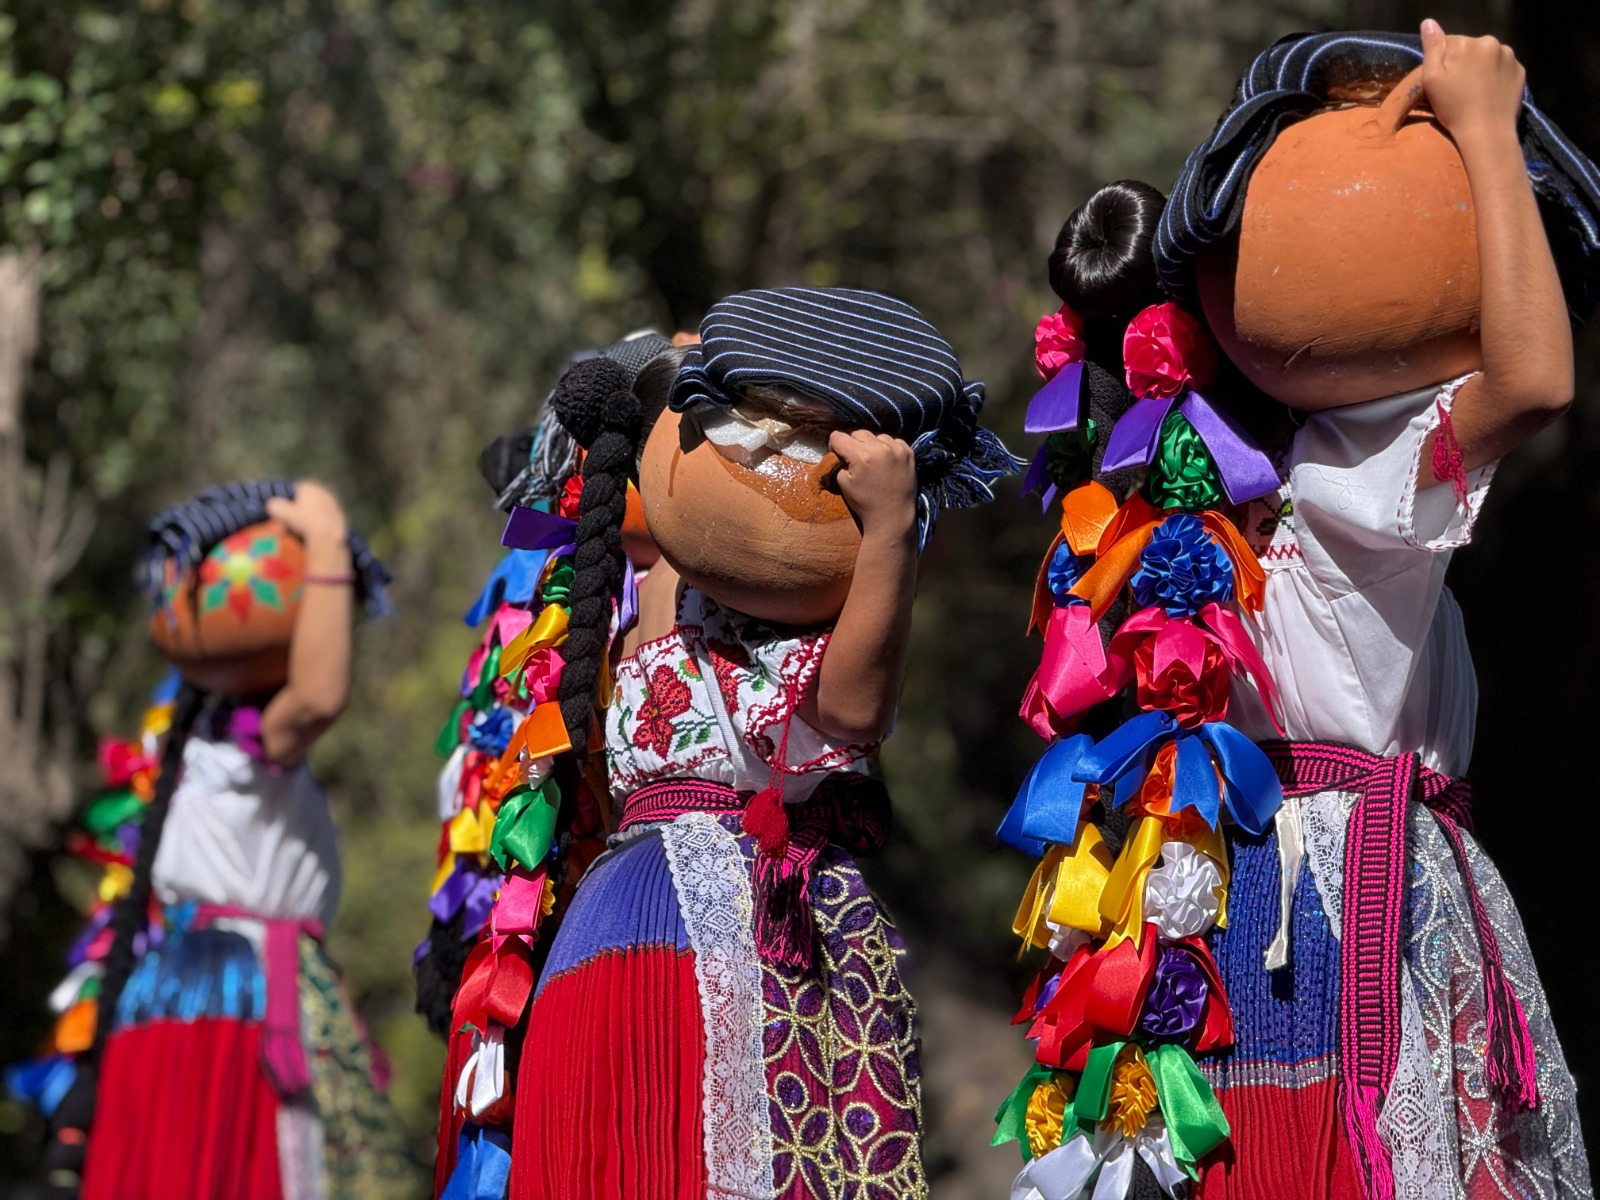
[
  {"x": 595, "y": 403},
  {"x": 653, "y": 387},
  {"x": 1104, "y": 261},
  {"x": 1103, "y": 268},
  {"x": 128, "y": 921}
]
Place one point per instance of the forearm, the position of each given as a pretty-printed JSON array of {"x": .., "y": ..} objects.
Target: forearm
[
  {"x": 858, "y": 684},
  {"x": 319, "y": 655},
  {"x": 1527, "y": 377}
]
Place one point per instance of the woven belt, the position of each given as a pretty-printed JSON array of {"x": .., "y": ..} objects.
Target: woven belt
[{"x": 1373, "y": 922}]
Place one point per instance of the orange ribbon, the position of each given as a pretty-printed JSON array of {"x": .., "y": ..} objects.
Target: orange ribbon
[{"x": 1124, "y": 539}]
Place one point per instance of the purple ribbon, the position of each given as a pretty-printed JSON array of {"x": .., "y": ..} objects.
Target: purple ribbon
[
  {"x": 1058, "y": 404},
  {"x": 1244, "y": 468},
  {"x": 1038, "y": 479},
  {"x": 1177, "y": 995},
  {"x": 629, "y": 609},
  {"x": 466, "y": 888},
  {"x": 530, "y": 529}
]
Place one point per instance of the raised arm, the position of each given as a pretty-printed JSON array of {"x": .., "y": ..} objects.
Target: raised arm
[
  {"x": 1475, "y": 87},
  {"x": 319, "y": 648},
  {"x": 858, "y": 684}
]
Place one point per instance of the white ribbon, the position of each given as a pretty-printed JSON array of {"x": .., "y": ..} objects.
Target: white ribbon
[
  {"x": 66, "y": 992},
  {"x": 482, "y": 1081},
  {"x": 1181, "y": 895},
  {"x": 1068, "y": 1171},
  {"x": 450, "y": 784},
  {"x": 1291, "y": 854}
]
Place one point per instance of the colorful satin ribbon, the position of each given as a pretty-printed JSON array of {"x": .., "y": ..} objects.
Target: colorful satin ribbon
[
  {"x": 1244, "y": 468},
  {"x": 1128, "y": 533},
  {"x": 1216, "y": 765}
]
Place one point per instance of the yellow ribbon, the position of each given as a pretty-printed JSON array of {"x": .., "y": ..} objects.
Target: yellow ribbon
[
  {"x": 1080, "y": 879},
  {"x": 469, "y": 833},
  {"x": 1029, "y": 923},
  {"x": 1065, "y": 890},
  {"x": 114, "y": 884},
  {"x": 550, "y": 629},
  {"x": 1122, "y": 901},
  {"x": 447, "y": 868}
]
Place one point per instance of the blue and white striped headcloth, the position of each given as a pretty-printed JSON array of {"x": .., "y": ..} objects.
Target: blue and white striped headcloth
[
  {"x": 876, "y": 360},
  {"x": 188, "y": 532},
  {"x": 1304, "y": 72}
]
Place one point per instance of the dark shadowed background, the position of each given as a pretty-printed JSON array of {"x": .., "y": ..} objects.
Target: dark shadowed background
[{"x": 355, "y": 239}]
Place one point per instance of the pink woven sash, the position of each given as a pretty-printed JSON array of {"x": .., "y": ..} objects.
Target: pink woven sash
[
  {"x": 1371, "y": 943},
  {"x": 847, "y": 809},
  {"x": 283, "y": 1052}
]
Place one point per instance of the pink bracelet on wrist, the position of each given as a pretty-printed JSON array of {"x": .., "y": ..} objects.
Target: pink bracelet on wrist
[{"x": 344, "y": 580}]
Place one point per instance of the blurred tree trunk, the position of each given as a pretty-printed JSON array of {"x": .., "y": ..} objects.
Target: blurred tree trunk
[{"x": 43, "y": 530}]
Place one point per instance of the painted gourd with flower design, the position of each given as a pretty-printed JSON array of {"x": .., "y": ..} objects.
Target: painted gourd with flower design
[{"x": 226, "y": 623}]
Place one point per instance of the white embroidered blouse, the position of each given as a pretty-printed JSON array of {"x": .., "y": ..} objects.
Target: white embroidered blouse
[
  {"x": 243, "y": 834},
  {"x": 712, "y": 699},
  {"x": 1364, "y": 640}
]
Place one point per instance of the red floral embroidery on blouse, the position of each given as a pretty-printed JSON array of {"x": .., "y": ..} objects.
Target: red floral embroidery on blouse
[
  {"x": 728, "y": 661},
  {"x": 666, "y": 697}
]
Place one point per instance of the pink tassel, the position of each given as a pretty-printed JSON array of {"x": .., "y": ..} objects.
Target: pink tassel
[
  {"x": 1361, "y": 1103},
  {"x": 785, "y": 926},
  {"x": 1511, "y": 1068}
]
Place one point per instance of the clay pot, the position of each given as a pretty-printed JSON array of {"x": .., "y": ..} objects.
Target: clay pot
[
  {"x": 636, "y": 540},
  {"x": 226, "y": 624},
  {"x": 1354, "y": 272},
  {"x": 774, "y": 545}
]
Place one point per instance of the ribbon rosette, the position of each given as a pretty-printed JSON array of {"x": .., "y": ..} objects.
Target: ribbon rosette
[
  {"x": 1183, "y": 569},
  {"x": 1058, "y": 354},
  {"x": 1168, "y": 357}
]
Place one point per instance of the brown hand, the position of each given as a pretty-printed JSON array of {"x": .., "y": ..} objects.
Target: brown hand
[
  {"x": 878, "y": 480},
  {"x": 313, "y": 515},
  {"x": 1472, "y": 83}
]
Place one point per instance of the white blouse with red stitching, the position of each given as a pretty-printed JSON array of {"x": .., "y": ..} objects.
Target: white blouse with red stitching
[{"x": 710, "y": 701}]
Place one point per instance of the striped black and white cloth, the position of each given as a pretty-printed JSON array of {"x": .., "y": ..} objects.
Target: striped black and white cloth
[
  {"x": 875, "y": 360},
  {"x": 1299, "y": 75},
  {"x": 188, "y": 532}
]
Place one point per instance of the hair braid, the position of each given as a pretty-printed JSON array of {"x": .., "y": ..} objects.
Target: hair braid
[
  {"x": 595, "y": 402},
  {"x": 130, "y": 916},
  {"x": 69, "y": 1124}
]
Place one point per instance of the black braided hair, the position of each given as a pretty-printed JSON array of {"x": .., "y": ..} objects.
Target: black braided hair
[
  {"x": 128, "y": 921},
  {"x": 595, "y": 403}
]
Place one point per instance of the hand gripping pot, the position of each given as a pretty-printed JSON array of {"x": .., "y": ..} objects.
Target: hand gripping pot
[{"x": 227, "y": 622}]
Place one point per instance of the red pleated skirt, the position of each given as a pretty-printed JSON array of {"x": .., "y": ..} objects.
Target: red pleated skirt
[{"x": 185, "y": 1112}]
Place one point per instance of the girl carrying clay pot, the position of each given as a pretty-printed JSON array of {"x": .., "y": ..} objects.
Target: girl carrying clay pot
[
  {"x": 228, "y": 1061},
  {"x": 1387, "y": 238},
  {"x": 721, "y": 1011}
]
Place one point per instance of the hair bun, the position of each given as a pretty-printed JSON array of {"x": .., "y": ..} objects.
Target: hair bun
[
  {"x": 1104, "y": 261},
  {"x": 580, "y": 397}
]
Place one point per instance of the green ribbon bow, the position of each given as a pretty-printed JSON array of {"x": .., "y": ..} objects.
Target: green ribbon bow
[
  {"x": 524, "y": 827},
  {"x": 1195, "y": 1122},
  {"x": 558, "y": 584},
  {"x": 1182, "y": 473},
  {"x": 1012, "y": 1115}
]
